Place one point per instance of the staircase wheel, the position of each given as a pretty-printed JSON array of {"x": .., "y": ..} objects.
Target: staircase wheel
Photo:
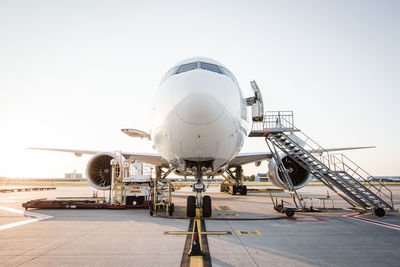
[
  {"x": 206, "y": 206},
  {"x": 191, "y": 207},
  {"x": 278, "y": 208},
  {"x": 289, "y": 213},
  {"x": 243, "y": 190},
  {"x": 380, "y": 212}
]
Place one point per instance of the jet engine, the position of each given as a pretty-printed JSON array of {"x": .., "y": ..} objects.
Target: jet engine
[
  {"x": 99, "y": 170},
  {"x": 298, "y": 175}
]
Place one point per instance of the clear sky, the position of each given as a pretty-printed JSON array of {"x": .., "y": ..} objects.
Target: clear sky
[{"x": 73, "y": 73}]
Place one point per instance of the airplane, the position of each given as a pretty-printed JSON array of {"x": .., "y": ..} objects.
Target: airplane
[{"x": 199, "y": 126}]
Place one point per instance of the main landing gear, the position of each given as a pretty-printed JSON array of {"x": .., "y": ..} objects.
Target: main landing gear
[{"x": 233, "y": 182}]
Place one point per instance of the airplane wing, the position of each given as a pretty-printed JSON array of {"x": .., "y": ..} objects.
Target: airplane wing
[
  {"x": 148, "y": 158},
  {"x": 157, "y": 160},
  {"x": 245, "y": 158}
]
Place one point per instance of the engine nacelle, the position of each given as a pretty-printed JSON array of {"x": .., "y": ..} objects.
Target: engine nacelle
[
  {"x": 298, "y": 175},
  {"x": 99, "y": 170}
]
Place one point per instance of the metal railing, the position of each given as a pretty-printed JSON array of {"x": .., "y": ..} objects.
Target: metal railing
[
  {"x": 342, "y": 163},
  {"x": 283, "y": 120},
  {"x": 278, "y": 120},
  {"x": 274, "y": 120}
]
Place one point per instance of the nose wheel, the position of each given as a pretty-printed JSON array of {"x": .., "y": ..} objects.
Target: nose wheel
[
  {"x": 191, "y": 206},
  {"x": 205, "y": 205}
]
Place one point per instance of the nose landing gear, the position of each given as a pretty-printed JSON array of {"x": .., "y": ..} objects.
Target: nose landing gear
[
  {"x": 205, "y": 209},
  {"x": 200, "y": 205}
]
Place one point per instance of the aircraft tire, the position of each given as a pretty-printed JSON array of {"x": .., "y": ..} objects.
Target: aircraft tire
[
  {"x": 243, "y": 190},
  {"x": 191, "y": 207},
  {"x": 171, "y": 209},
  {"x": 234, "y": 190},
  {"x": 207, "y": 206},
  {"x": 151, "y": 208}
]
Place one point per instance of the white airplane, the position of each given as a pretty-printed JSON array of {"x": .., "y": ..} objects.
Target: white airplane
[{"x": 199, "y": 126}]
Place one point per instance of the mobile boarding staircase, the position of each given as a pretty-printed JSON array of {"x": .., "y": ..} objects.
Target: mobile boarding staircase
[{"x": 336, "y": 171}]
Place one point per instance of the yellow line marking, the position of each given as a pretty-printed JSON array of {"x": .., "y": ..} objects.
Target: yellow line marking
[
  {"x": 199, "y": 229},
  {"x": 177, "y": 233},
  {"x": 222, "y": 208},
  {"x": 265, "y": 190},
  {"x": 199, "y": 213},
  {"x": 196, "y": 261},
  {"x": 215, "y": 233},
  {"x": 248, "y": 232},
  {"x": 194, "y": 226},
  {"x": 203, "y": 233}
]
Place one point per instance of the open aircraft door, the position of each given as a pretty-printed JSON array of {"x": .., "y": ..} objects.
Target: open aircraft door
[{"x": 256, "y": 103}]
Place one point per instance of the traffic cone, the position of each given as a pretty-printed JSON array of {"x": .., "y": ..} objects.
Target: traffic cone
[{"x": 196, "y": 249}]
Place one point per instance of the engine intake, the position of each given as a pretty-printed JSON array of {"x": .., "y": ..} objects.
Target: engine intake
[
  {"x": 299, "y": 176},
  {"x": 99, "y": 170}
]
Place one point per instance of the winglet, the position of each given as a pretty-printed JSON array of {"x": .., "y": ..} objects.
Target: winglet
[{"x": 136, "y": 133}]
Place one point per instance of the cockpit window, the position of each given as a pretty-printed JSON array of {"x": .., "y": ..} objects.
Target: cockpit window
[
  {"x": 210, "y": 67},
  {"x": 201, "y": 65},
  {"x": 229, "y": 74},
  {"x": 187, "y": 67}
]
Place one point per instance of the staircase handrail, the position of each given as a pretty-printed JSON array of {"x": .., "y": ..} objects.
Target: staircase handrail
[
  {"x": 286, "y": 119},
  {"x": 343, "y": 164}
]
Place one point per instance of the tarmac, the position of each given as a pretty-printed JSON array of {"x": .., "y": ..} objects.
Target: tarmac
[{"x": 260, "y": 236}]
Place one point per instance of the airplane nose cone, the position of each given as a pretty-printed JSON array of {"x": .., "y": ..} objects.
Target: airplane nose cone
[
  {"x": 200, "y": 99},
  {"x": 199, "y": 109}
]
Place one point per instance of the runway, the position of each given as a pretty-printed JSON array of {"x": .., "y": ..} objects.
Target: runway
[{"x": 132, "y": 237}]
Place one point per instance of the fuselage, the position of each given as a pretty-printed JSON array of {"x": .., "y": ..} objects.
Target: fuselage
[{"x": 200, "y": 116}]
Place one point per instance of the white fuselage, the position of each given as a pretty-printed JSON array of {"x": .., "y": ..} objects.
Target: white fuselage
[{"x": 199, "y": 116}]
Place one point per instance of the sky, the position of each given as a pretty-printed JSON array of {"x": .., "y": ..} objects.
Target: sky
[{"x": 73, "y": 73}]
